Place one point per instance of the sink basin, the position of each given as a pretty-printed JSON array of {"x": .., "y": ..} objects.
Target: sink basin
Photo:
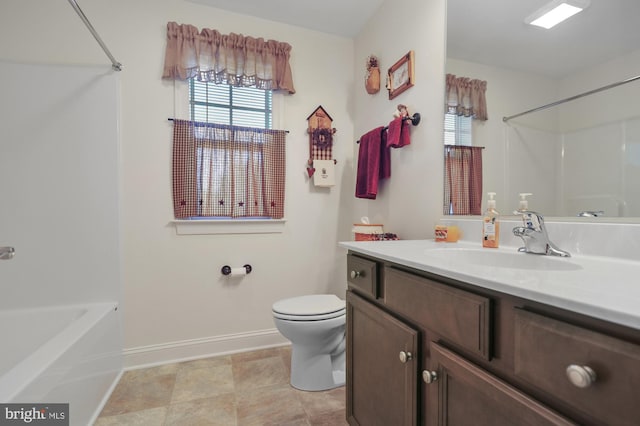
[{"x": 501, "y": 259}]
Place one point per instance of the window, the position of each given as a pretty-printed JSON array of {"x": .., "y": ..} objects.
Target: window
[
  {"x": 235, "y": 106},
  {"x": 462, "y": 167},
  {"x": 457, "y": 130},
  {"x": 228, "y": 162}
]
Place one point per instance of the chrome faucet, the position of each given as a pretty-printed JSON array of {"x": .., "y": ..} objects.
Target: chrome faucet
[{"x": 535, "y": 237}]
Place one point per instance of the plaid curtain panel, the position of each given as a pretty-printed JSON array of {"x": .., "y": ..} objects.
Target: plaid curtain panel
[
  {"x": 462, "y": 180},
  {"x": 227, "y": 171}
]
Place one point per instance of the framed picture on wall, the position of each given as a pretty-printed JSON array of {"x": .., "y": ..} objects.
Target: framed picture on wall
[{"x": 400, "y": 76}]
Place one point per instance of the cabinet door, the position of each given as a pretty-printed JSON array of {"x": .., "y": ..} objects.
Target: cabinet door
[
  {"x": 547, "y": 349},
  {"x": 382, "y": 367},
  {"x": 464, "y": 394}
]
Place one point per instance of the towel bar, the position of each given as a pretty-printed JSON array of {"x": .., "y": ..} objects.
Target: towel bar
[{"x": 415, "y": 120}]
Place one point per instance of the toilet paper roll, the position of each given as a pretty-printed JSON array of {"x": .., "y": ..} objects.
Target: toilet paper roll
[{"x": 238, "y": 271}]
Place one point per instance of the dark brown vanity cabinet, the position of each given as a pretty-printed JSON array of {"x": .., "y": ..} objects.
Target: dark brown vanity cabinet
[
  {"x": 382, "y": 354},
  {"x": 428, "y": 350}
]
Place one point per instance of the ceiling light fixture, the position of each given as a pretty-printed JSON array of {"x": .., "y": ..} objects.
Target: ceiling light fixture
[{"x": 555, "y": 12}]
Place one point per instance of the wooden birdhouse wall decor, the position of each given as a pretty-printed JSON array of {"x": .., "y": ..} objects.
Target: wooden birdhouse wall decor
[{"x": 321, "y": 133}]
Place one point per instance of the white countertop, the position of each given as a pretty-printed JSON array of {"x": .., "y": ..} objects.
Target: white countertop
[{"x": 600, "y": 287}]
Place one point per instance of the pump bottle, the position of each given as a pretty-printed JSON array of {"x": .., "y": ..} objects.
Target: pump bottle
[
  {"x": 491, "y": 224},
  {"x": 523, "y": 204},
  {"x": 528, "y": 220}
]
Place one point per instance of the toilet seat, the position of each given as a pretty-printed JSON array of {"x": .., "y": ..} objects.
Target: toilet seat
[{"x": 315, "y": 307}]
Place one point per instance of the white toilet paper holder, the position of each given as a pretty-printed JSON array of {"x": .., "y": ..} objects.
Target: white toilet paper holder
[{"x": 226, "y": 269}]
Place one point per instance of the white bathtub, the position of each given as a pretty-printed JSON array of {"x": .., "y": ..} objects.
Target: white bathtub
[{"x": 66, "y": 354}]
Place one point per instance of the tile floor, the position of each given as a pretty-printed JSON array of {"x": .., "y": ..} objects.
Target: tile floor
[{"x": 250, "y": 388}]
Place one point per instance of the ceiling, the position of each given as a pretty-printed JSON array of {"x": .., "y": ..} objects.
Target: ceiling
[
  {"x": 493, "y": 32},
  {"x": 488, "y": 31},
  {"x": 339, "y": 17}
]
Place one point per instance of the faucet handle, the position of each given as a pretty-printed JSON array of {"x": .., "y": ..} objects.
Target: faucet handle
[{"x": 532, "y": 220}]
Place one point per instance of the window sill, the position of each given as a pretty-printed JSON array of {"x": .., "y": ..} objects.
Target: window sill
[{"x": 229, "y": 226}]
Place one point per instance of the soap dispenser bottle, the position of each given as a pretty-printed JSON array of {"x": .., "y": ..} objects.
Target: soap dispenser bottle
[
  {"x": 491, "y": 224},
  {"x": 529, "y": 220},
  {"x": 523, "y": 204}
]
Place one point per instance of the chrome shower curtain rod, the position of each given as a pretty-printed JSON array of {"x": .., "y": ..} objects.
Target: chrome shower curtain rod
[
  {"x": 590, "y": 92},
  {"x": 117, "y": 66}
]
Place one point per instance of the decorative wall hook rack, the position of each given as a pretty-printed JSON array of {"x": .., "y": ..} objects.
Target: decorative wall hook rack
[{"x": 320, "y": 131}]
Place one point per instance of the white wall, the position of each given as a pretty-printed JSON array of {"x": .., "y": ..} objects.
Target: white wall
[
  {"x": 176, "y": 303},
  {"x": 410, "y": 202},
  {"x": 173, "y": 288}
]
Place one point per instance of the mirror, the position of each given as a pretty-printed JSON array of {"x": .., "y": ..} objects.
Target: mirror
[{"x": 578, "y": 156}]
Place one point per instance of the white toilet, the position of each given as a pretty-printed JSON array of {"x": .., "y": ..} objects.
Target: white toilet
[{"x": 315, "y": 325}]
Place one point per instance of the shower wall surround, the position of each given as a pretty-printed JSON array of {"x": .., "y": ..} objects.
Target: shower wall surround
[{"x": 59, "y": 174}]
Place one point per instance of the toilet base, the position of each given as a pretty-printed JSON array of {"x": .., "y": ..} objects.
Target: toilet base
[{"x": 316, "y": 372}]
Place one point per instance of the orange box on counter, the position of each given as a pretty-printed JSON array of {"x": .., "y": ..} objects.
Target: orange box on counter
[{"x": 449, "y": 234}]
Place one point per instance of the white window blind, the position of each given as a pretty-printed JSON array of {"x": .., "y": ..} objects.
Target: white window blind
[
  {"x": 235, "y": 106},
  {"x": 457, "y": 130}
]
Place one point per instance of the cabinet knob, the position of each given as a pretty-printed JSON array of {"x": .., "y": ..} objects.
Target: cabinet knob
[
  {"x": 429, "y": 376},
  {"x": 581, "y": 375},
  {"x": 356, "y": 274},
  {"x": 405, "y": 357}
]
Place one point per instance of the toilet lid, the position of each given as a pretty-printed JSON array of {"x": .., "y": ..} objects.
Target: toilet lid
[{"x": 312, "y": 306}]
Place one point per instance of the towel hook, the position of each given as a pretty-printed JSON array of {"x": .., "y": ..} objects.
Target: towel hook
[{"x": 415, "y": 118}]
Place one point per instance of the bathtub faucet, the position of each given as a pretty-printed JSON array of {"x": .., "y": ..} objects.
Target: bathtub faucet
[
  {"x": 7, "y": 253},
  {"x": 535, "y": 237}
]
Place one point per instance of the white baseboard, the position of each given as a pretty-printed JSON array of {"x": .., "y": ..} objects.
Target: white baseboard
[{"x": 185, "y": 350}]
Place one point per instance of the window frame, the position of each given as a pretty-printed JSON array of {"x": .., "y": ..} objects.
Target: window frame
[{"x": 225, "y": 225}]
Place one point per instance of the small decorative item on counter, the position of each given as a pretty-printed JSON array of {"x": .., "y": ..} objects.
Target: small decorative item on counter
[
  {"x": 491, "y": 224},
  {"x": 449, "y": 234},
  {"x": 387, "y": 236},
  {"x": 372, "y": 80},
  {"x": 365, "y": 231}
]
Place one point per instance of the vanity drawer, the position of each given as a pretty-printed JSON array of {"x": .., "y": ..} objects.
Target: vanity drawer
[
  {"x": 362, "y": 275},
  {"x": 460, "y": 317},
  {"x": 545, "y": 348}
]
